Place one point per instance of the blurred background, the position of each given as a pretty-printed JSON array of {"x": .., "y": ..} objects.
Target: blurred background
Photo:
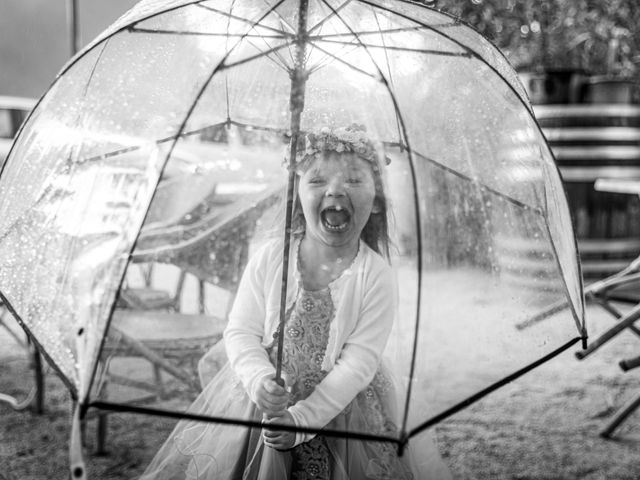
[
  {"x": 36, "y": 38},
  {"x": 579, "y": 61},
  {"x": 595, "y": 38}
]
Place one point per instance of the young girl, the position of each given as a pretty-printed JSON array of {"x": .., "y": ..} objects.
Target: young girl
[{"x": 340, "y": 310}]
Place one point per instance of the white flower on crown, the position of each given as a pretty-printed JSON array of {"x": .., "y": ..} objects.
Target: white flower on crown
[{"x": 351, "y": 139}]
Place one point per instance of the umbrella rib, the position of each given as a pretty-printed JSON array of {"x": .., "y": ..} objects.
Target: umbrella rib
[
  {"x": 491, "y": 388},
  {"x": 472, "y": 52},
  {"x": 226, "y": 66},
  {"x": 246, "y": 20},
  {"x": 417, "y": 226},
  {"x": 284, "y": 24},
  {"x": 324, "y": 61},
  {"x": 176, "y": 136},
  {"x": 258, "y": 127},
  {"x": 283, "y": 21},
  {"x": 85, "y": 89},
  {"x": 94, "y": 67},
  {"x": 72, "y": 388},
  {"x": 433, "y": 28},
  {"x": 130, "y": 408},
  {"x": 181, "y": 128},
  {"x": 581, "y": 326},
  {"x": 226, "y": 75},
  {"x": 416, "y": 28},
  {"x": 203, "y": 34},
  {"x": 402, "y": 49},
  {"x": 508, "y": 198},
  {"x": 353, "y": 67},
  {"x": 329, "y": 56},
  {"x": 328, "y": 17},
  {"x": 281, "y": 63}
]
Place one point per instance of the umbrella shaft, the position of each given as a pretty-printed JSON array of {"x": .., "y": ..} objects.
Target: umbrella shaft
[{"x": 298, "y": 80}]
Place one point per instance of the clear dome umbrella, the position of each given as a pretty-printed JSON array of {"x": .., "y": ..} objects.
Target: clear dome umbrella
[{"x": 171, "y": 140}]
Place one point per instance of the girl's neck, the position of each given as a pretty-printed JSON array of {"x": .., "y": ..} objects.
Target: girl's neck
[{"x": 319, "y": 265}]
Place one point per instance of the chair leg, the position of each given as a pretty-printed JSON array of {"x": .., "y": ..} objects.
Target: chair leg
[
  {"x": 101, "y": 434},
  {"x": 102, "y": 424},
  {"x": 626, "y": 321},
  {"x": 177, "y": 299},
  {"x": 620, "y": 416},
  {"x": 148, "y": 275},
  {"x": 629, "y": 363},
  {"x": 201, "y": 297},
  {"x": 157, "y": 375},
  {"x": 40, "y": 385}
]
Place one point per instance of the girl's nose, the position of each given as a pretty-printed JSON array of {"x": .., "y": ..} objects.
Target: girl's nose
[{"x": 335, "y": 187}]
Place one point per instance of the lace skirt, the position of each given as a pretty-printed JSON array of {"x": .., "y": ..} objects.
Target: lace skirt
[{"x": 211, "y": 451}]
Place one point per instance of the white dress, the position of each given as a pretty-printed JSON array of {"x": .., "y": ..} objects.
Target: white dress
[{"x": 197, "y": 450}]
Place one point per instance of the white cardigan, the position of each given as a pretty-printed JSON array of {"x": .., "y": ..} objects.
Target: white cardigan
[{"x": 364, "y": 298}]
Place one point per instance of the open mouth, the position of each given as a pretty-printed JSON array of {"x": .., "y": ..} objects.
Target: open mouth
[{"x": 335, "y": 218}]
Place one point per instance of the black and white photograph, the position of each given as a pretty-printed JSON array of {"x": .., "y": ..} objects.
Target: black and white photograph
[{"x": 319, "y": 240}]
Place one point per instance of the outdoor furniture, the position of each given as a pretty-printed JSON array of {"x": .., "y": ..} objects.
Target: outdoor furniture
[
  {"x": 621, "y": 287},
  {"x": 150, "y": 325},
  {"x": 617, "y": 289},
  {"x": 35, "y": 397},
  {"x": 171, "y": 342}
]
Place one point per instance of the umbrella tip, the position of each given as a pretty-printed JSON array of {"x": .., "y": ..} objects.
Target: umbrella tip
[{"x": 584, "y": 342}]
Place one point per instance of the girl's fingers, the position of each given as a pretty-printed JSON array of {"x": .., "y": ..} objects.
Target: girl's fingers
[
  {"x": 274, "y": 389},
  {"x": 275, "y": 438},
  {"x": 274, "y": 442},
  {"x": 272, "y": 409},
  {"x": 280, "y": 440},
  {"x": 277, "y": 399},
  {"x": 271, "y": 435},
  {"x": 272, "y": 404}
]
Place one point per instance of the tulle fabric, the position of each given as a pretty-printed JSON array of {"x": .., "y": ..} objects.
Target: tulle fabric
[{"x": 211, "y": 451}]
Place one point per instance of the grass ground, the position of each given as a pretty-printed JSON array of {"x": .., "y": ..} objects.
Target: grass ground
[{"x": 542, "y": 426}]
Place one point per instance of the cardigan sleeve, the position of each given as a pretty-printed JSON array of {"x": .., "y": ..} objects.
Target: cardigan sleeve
[
  {"x": 358, "y": 360},
  {"x": 243, "y": 335}
]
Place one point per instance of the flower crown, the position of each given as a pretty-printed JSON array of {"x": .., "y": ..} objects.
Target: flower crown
[{"x": 351, "y": 139}]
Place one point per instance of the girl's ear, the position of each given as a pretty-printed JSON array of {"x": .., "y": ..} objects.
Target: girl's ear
[{"x": 376, "y": 206}]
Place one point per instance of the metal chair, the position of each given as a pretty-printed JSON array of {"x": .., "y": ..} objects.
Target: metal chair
[{"x": 622, "y": 287}]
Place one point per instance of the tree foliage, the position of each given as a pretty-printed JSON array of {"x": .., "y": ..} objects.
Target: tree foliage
[{"x": 598, "y": 36}]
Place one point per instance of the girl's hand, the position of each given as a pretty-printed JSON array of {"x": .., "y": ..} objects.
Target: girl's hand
[
  {"x": 278, "y": 439},
  {"x": 271, "y": 398}
]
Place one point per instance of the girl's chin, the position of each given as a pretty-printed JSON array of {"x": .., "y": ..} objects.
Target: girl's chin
[
  {"x": 332, "y": 237},
  {"x": 344, "y": 239}
]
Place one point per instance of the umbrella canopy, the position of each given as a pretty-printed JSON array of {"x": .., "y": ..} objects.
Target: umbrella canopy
[{"x": 164, "y": 141}]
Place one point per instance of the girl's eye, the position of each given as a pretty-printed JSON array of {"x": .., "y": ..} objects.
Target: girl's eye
[
  {"x": 353, "y": 180},
  {"x": 316, "y": 180}
]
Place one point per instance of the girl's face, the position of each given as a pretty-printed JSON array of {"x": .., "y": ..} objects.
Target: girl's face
[{"x": 337, "y": 194}]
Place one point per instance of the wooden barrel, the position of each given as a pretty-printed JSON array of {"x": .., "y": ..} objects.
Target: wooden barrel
[{"x": 592, "y": 141}]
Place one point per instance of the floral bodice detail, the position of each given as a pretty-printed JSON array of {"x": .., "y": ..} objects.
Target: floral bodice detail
[{"x": 306, "y": 335}]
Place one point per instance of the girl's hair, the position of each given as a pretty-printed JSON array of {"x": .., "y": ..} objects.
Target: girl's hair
[{"x": 352, "y": 139}]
